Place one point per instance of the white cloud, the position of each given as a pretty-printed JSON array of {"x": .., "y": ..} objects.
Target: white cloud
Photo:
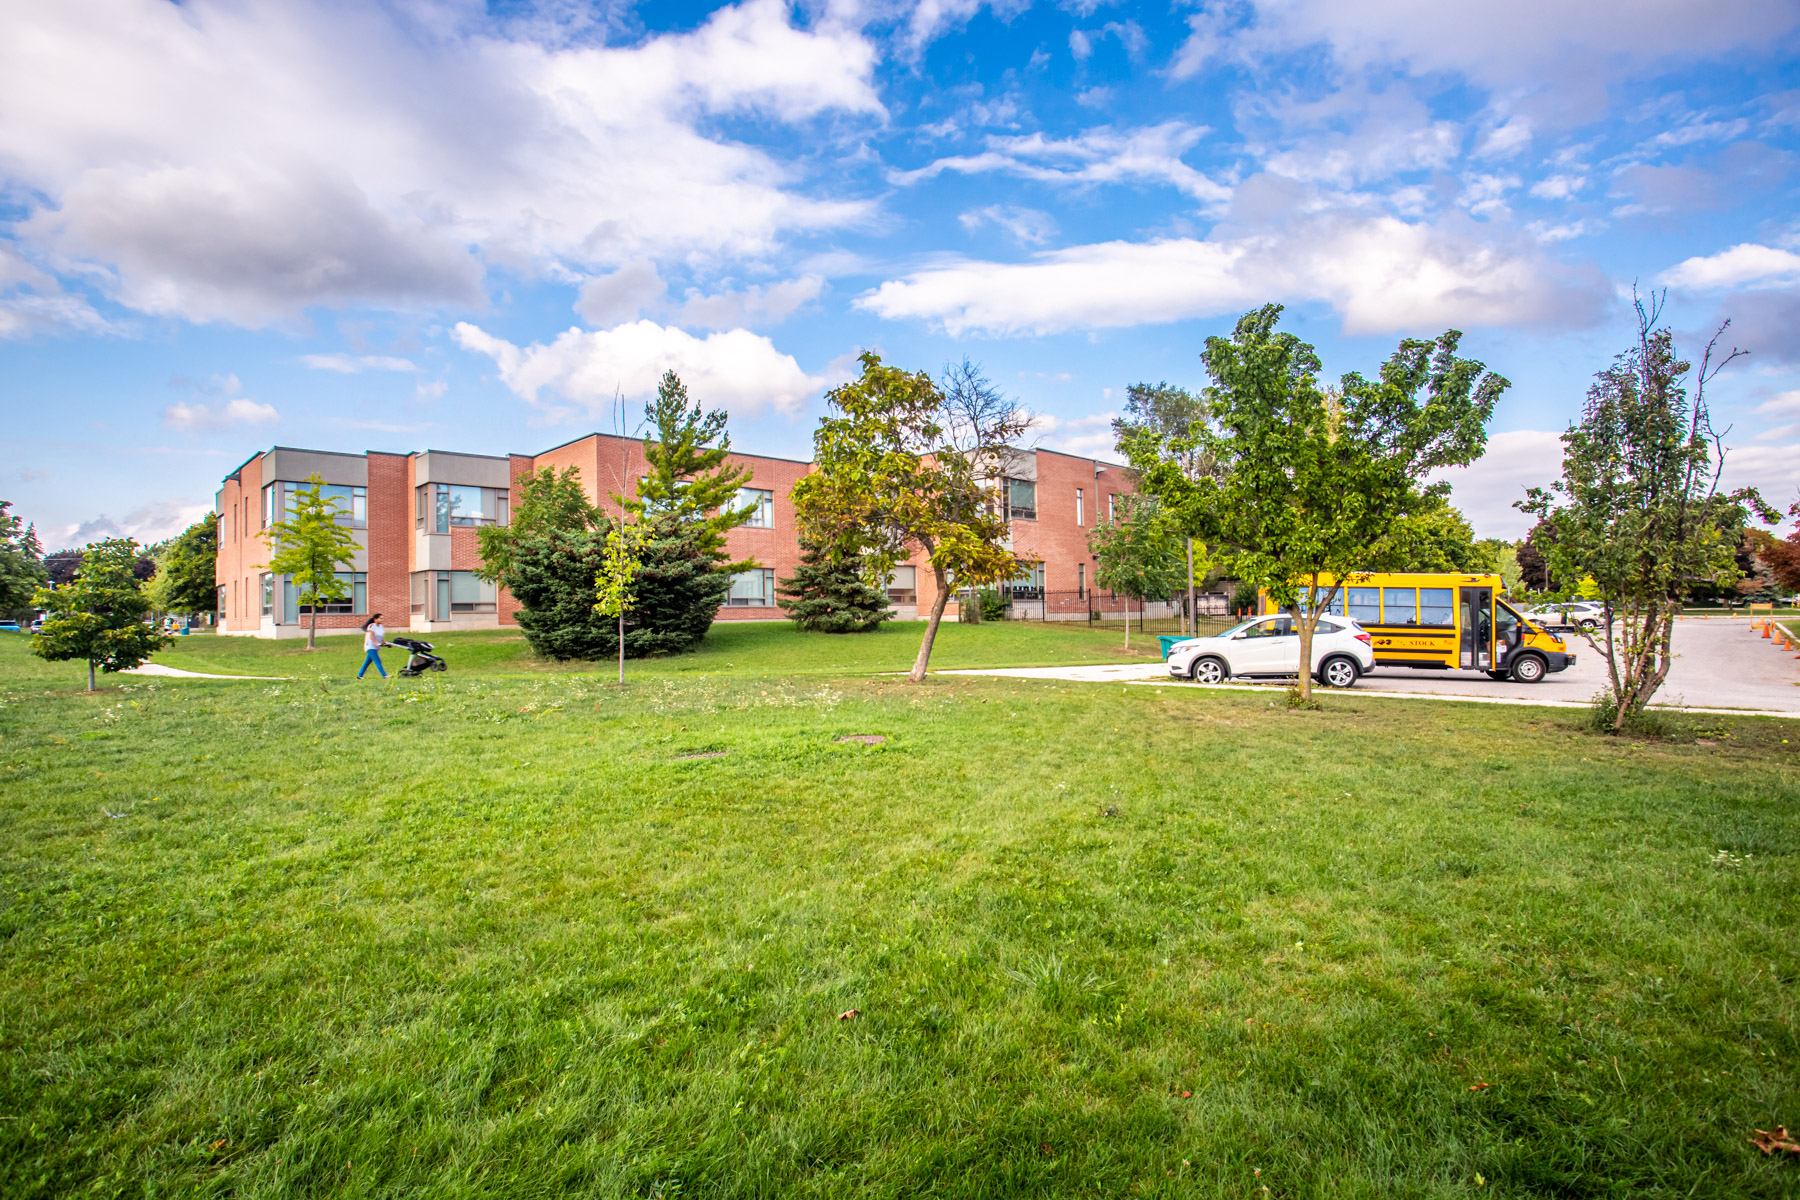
[
  {"x": 611, "y": 299},
  {"x": 1784, "y": 404},
  {"x": 208, "y": 418},
  {"x": 1558, "y": 187},
  {"x": 1027, "y": 226},
  {"x": 32, "y": 302},
  {"x": 1485, "y": 490},
  {"x": 352, "y": 364},
  {"x": 245, "y": 161},
  {"x": 758, "y": 304},
  {"x": 1504, "y": 140},
  {"x": 1745, "y": 264},
  {"x": 1150, "y": 154},
  {"x": 154, "y": 522},
  {"x": 736, "y": 370},
  {"x": 1351, "y": 135},
  {"x": 1090, "y": 436},
  {"x": 1379, "y": 273}
]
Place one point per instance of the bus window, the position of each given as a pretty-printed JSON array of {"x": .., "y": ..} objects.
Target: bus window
[
  {"x": 1506, "y": 622},
  {"x": 1365, "y": 605},
  {"x": 1437, "y": 606},
  {"x": 1399, "y": 606}
]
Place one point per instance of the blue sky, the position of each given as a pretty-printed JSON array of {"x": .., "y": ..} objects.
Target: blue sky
[{"x": 434, "y": 223}]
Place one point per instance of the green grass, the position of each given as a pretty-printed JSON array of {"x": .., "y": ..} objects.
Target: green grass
[
  {"x": 759, "y": 647},
  {"x": 524, "y": 933}
]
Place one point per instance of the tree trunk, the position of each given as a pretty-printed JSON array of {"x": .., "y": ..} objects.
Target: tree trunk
[
  {"x": 1128, "y": 624},
  {"x": 621, "y": 645},
  {"x": 1193, "y": 612},
  {"x": 1304, "y": 626},
  {"x": 917, "y": 674},
  {"x": 312, "y": 628},
  {"x": 91, "y": 675}
]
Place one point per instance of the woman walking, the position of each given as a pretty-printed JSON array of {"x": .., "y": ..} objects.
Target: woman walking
[{"x": 374, "y": 638}]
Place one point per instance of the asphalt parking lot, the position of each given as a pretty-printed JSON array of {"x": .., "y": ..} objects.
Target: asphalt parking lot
[{"x": 1719, "y": 664}]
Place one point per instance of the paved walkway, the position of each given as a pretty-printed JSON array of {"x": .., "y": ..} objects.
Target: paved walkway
[
  {"x": 178, "y": 673},
  {"x": 1720, "y": 666}
]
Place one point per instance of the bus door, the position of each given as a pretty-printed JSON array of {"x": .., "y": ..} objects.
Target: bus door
[{"x": 1475, "y": 628}]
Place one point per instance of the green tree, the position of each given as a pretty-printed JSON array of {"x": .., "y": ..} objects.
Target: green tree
[
  {"x": 1436, "y": 538},
  {"x": 1309, "y": 479},
  {"x": 902, "y": 466},
  {"x": 1638, "y": 511},
  {"x": 829, "y": 593},
  {"x": 310, "y": 547},
  {"x": 620, "y": 562},
  {"x": 690, "y": 479},
  {"x": 99, "y": 618},
  {"x": 543, "y": 502},
  {"x": 1172, "y": 418},
  {"x": 1138, "y": 553},
  {"x": 1502, "y": 559},
  {"x": 21, "y": 563},
  {"x": 186, "y": 570}
]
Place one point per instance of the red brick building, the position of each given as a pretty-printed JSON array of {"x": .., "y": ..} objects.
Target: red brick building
[{"x": 415, "y": 518}]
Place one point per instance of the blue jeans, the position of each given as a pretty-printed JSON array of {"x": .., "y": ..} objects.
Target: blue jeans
[{"x": 373, "y": 656}]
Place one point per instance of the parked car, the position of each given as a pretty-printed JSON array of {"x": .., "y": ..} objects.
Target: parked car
[
  {"x": 1584, "y": 615},
  {"x": 1270, "y": 646}
]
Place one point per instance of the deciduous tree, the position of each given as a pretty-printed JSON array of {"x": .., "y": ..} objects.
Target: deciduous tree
[
  {"x": 1309, "y": 479},
  {"x": 21, "y": 563},
  {"x": 1638, "y": 509},
  {"x": 1173, "y": 417},
  {"x": 1138, "y": 553},
  {"x": 620, "y": 562},
  {"x": 904, "y": 466},
  {"x": 185, "y": 579},
  {"x": 98, "y": 617},
  {"x": 310, "y": 547}
]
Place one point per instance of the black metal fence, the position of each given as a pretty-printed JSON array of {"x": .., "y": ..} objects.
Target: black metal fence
[{"x": 1100, "y": 609}]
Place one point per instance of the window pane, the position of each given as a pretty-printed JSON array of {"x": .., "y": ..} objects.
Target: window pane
[
  {"x": 443, "y": 598},
  {"x": 1399, "y": 606},
  {"x": 762, "y": 504},
  {"x": 500, "y": 509},
  {"x": 466, "y": 507},
  {"x": 443, "y": 510},
  {"x": 465, "y": 588},
  {"x": 1021, "y": 497},
  {"x": 420, "y": 507},
  {"x": 1365, "y": 605},
  {"x": 752, "y": 588},
  {"x": 1437, "y": 606}
]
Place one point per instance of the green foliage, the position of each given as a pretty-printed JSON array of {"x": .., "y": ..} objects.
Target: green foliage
[
  {"x": 99, "y": 619},
  {"x": 21, "y": 563},
  {"x": 1637, "y": 515},
  {"x": 620, "y": 562},
  {"x": 186, "y": 570},
  {"x": 1435, "y": 538},
  {"x": 544, "y": 502},
  {"x": 1502, "y": 559},
  {"x": 690, "y": 480},
  {"x": 310, "y": 547},
  {"x": 902, "y": 466},
  {"x": 827, "y": 593},
  {"x": 991, "y": 604},
  {"x": 676, "y": 593},
  {"x": 1139, "y": 553},
  {"x": 1307, "y": 480},
  {"x": 1174, "y": 417}
]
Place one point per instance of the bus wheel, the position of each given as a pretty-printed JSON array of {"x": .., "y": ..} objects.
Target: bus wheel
[
  {"x": 1528, "y": 668},
  {"x": 1338, "y": 672}
]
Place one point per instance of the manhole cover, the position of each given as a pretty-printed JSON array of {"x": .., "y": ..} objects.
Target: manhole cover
[{"x": 867, "y": 739}]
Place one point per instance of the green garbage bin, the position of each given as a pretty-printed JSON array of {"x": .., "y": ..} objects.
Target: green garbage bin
[{"x": 1168, "y": 641}]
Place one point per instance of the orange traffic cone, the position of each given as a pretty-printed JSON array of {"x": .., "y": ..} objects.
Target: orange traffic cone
[{"x": 1766, "y": 625}]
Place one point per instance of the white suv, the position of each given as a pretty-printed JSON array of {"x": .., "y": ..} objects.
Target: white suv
[{"x": 1341, "y": 652}]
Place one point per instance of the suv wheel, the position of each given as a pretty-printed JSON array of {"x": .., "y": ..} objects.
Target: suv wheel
[
  {"x": 1339, "y": 672},
  {"x": 1528, "y": 668},
  {"x": 1207, "y": 670}
]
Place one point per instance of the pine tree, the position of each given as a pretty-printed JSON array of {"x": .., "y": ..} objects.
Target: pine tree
[
  {"x": 827, "y": 594},
  {"x": 690, "y": 480}
]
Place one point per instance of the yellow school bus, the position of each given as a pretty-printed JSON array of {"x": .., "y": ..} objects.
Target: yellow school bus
[{"x": 1445, "y": 622}]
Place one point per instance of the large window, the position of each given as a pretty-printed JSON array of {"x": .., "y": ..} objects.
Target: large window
[
  {"x": 469, "y": 594},
  {"x": 443, "y": 505},
  {"x": 1437, "y": 606},
  {"x": 355, "y": 599},
  {"x": 762, "y": 504},
  {"x": 352, "y": 502},
  {"x": 754, "y": 588},
  {"x": 421, "y": 588},
  {"x": 1021, "y": 499},
  {"x": 903, "y": 586},
  {"x": 1028, "y": 584},
  {"x": 268, "y": 594}
]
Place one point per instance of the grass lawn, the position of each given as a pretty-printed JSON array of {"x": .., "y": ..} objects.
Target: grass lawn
[
  {"x": 742, "y": 648},
  {"x": 519, "y": 932}
]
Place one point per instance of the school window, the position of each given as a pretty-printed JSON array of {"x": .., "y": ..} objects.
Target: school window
[
  {"x": 1080, "y": 577},
  {"x": 268, "y": 505},
  {"x": 1078, "y": 516},
  {"x": 268, "y": 593},
  {"x": 903, "y": 586},
  {"x": 441, "y": 506},
  {"x": 421, "y": 588},
  {"x": 761, "y": 504},
  {"x": 1112, "y": 506},
  {"x": 1021, "y": 499},
  {"x": 352, "y": 501},
  {"x": 469, "y": 594},
  {"x": 355, "y": 598},
  {"x": 754, "y": 588},
  {"x": 1028, "y": 584}
]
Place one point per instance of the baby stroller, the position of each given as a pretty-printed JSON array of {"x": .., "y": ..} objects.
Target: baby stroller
[{"x": 422, "y": 659}]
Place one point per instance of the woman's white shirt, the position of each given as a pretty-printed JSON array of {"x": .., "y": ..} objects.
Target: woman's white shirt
[{"x": 374, "y": 636}]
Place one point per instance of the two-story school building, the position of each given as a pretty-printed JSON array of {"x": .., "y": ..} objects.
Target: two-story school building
[{"x": 415, "y": 517}]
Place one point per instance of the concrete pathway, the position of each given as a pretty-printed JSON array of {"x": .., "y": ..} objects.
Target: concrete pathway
[
  {"x": 1721, "y": 666},
  {"x": 178, "y": 673}
]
